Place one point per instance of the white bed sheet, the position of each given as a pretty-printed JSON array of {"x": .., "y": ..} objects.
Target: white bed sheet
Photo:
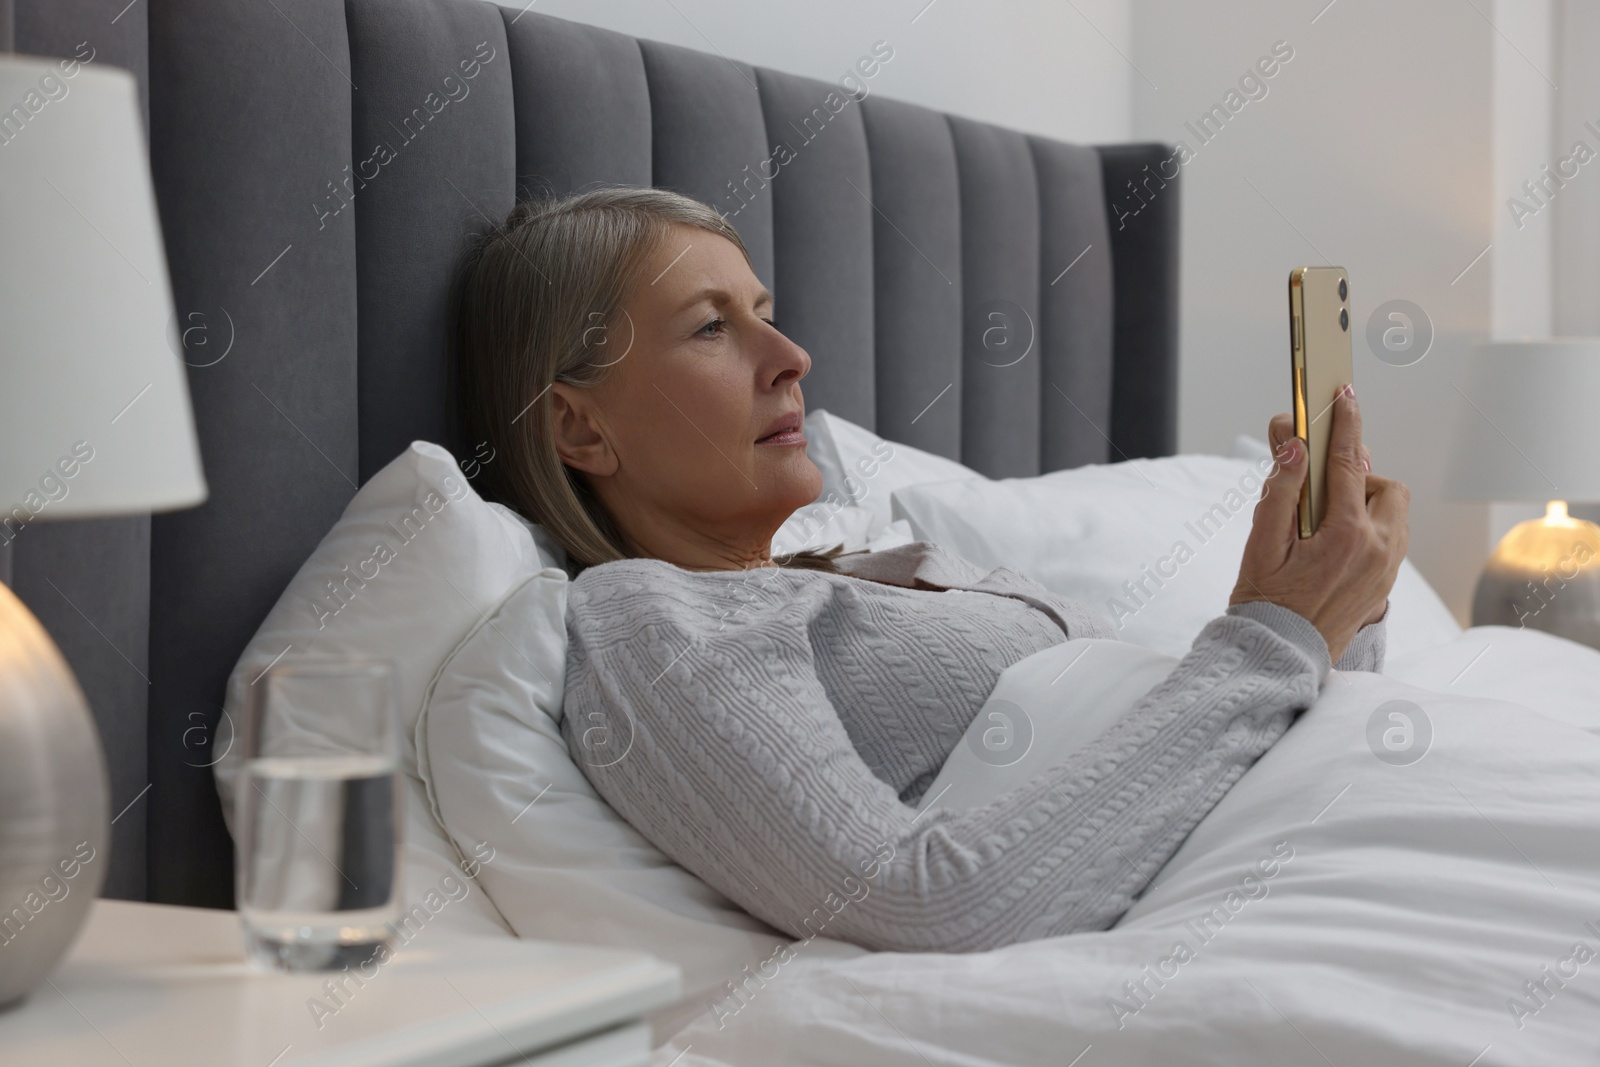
[{"x": 1407, "y": 909}]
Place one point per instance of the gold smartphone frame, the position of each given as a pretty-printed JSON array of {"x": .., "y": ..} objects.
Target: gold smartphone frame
[{"x": 1321, "y": 364}]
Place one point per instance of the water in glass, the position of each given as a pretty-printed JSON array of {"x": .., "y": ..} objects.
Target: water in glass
[{"x": 319, "y": 808}]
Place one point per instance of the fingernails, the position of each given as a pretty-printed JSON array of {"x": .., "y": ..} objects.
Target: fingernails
[
  {"x": 1350, "y": 390},
  {"x": 1367, "y": 464},
  {"x": 1291, "y": 451}
]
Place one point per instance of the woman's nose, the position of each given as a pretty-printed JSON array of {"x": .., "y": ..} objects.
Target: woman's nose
[{"x": 793, "y": 362}]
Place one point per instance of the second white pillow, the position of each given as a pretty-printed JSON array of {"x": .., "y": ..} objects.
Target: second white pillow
[
  {"x": 862, "y": 469},
  {"x": 1154, "y": 545}
]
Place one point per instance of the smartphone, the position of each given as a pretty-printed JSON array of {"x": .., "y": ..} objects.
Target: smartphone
[{"x": 1319, "y": 342}]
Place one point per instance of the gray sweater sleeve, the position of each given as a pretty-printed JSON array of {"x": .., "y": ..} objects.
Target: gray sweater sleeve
[
  {"x": 726, "y": 753},
  {"x": 1366, "y": 649}
]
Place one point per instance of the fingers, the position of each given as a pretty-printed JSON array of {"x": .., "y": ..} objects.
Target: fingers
[
  {"x": 1275, "y": 527},
  {"x": 1389, "y": 504},
  {"x": 1279, "y": 430},
  {"x": 1346, "y": 476}
]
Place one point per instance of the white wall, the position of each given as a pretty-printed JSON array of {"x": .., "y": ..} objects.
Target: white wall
[
  {"x": 1577, "y": 210},
  {"x": 1034, "y": 65},
  {"x": 1547, "y": 264},
  {"x": 1524, "y": 83},
  {"x": 1372, "y": 150},
  {"x": 1523, "y": 73},
  {"x": 1575, "y": 215}
]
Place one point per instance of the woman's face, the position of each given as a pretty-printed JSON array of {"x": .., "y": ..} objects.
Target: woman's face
[{"x": 677, "y": 441}]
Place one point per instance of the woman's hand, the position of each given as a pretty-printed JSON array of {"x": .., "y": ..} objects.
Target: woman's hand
[
  {"x": 1279, "y": 430},
  {"x": 1339, "y": 578}
]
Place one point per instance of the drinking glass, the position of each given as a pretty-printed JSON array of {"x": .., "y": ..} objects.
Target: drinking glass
[{"x": 318, "y": 808}]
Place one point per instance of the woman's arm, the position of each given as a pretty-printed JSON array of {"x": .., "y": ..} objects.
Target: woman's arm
[
  {"x": 720, "y": 746},
  {"x": 1366, "y": 649}
]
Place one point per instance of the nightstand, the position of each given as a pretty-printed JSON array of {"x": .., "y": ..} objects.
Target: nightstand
[{"x": 152, "y": 985}]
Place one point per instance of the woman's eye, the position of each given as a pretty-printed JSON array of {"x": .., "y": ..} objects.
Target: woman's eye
[{"x": 715, "y": 326}]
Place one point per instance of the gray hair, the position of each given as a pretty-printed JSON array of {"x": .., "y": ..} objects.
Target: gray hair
[{"x": 538, "y": 300}]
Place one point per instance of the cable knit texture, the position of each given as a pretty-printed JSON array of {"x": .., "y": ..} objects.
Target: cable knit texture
[{"x": 768, "y": 729}]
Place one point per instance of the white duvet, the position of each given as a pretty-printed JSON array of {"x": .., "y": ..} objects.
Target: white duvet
[{"x": 1392, "y": 883}]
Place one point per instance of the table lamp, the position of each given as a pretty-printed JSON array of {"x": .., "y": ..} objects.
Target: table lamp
[
  {"x": 94, "y": 420},
  {"x": 1528, "y": 431}
]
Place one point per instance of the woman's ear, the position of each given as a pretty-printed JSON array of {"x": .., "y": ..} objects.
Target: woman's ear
[{"x": 578, "y": 431}]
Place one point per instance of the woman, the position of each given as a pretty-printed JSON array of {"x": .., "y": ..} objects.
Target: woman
[{"x": 767, "y": 722}]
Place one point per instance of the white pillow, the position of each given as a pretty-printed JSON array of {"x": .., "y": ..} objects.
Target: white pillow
[
  {"x": 1154, "y": 545},
  {"x": 822, "y": 525},
  {"x": 417, "y": 559},
  {"x": 566, "y": 866},
  {"x": 859, "y": 467},
  {"x": 897, "y": 533},
  {"x": 447, "y": 885},
  {"x": 818, "y": 527}
]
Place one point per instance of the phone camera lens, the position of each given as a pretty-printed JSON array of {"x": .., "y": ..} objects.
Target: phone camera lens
[
  {"x": 1344, "y": 290},
  {"x": 1344, "y": 316}
]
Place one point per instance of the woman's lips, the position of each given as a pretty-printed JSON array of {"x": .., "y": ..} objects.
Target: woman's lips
[{"x": 785, "y": 437}]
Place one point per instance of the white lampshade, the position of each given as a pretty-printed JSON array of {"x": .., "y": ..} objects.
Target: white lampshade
[
  {"x": 87, "y": 367},
  {"x": 1528, "y": 428}
]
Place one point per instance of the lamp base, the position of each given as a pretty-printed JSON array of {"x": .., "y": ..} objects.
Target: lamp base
[
  {"x": 54, "y": 800},
  {"x": 1544, "y": 575}
]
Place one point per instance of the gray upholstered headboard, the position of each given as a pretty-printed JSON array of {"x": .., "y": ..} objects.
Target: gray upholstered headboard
[{"x": 1006, "y": 300}]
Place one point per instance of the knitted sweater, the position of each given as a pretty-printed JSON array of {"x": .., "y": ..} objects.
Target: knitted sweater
[{"x": 767, "y": 729}]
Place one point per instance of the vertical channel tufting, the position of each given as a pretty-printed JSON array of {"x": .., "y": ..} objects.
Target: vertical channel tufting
[
  {"x": 434, "y": 155},
  {"x": 709, "y": 141},
  {"x": 582, "y": 106},
  {"x": 1000, "y": 300},
  {"x": 1142, "y": 208},
  {"x": 249, "y": 119},
  {"x": 916, "y": 283},
  {"x": 819, "y": 184},
  {"x": 81, "y": 28},
  {"x": 1076, "y": 310}
]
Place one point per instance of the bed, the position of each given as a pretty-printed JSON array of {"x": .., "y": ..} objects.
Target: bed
[
  {"x": 1000, "y": 307},
  {"x": 311, "y": 281}
]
